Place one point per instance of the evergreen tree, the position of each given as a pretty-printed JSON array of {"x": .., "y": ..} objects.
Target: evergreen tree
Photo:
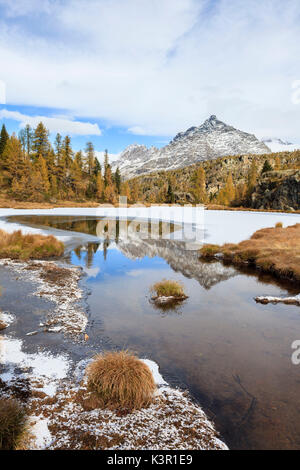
[
  {"x": 170, "y": 193},
  {"x": 117, "y": 179},
  {"x": 105, "y": 158},
  {"x": 58, "y": 146},
  {"x": 3, "y": 139},
  {"x": 40, "y": 142},
  {"x": 267, "y": 167},
  {"x": 108, "y": 179},
  {"x": 97, "y": 167},
  {"x": 26, "y": 138},
  {"x": 90, "y": 158},
  {"x": 67, "y": 152}
]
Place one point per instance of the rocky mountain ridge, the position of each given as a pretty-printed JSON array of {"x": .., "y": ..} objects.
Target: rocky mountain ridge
[{"x": 209, "y": 141}]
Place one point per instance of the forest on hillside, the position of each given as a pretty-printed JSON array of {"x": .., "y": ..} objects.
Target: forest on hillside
[
  {"x": 235, "y": 181},
  {"x": 34, "y": 169}
]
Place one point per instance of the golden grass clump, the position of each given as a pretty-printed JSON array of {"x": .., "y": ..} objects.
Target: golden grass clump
[
  {"x": 271, "y": 250},
  {"x": 120, "y": 380},
  {"x": 18, "y": 246},
  {"x": 13, "y": 424},
  {"x": 168, "y": 288},
  {"x": 279, "y": 225},
  {"x": 209, "y": 251}
]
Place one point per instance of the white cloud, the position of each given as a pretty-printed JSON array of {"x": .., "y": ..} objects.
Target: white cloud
[
  {"x": 2, "y": 92},
  {"x": 111, "y": 156},
  {"x": 159, "y": 66},
  {"x": 54, "y": 124},
  {"x": 137, "y": 130}
]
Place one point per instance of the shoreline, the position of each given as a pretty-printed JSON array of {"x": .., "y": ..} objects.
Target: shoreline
[
  {"x": 28, "y": 206},
  {"x": 49, "y": 384},
  {"x": 64, "y": 390}
]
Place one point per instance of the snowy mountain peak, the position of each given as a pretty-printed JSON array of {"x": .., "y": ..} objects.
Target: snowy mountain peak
[
  {"x": 210, "y": 140},
  {"x": 209, "y": 125}
]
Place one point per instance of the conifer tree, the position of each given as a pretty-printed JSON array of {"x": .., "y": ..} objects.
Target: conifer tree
[
  {"x": 170, "y": 193},
  {"x": 99, "y": 185},
  {"x": 230, "y": 189},
  {"x": 67, "y": 152},
  {"x": 90, "y": 158},
  {"x": 26, "y": 137},
  {"x": 40, "y": 142},
  {"x": 58, "y": 146},
  {"x": 252, "y": 178},
  {"x": 3, "y": 139},
  {"x": 117, "y": 179},
  {"x": 97, "y": 167},
  {"x": 200, "y": 185},
  {"x": 267, "y": 167},
  {"x": 42, "y": 168}
]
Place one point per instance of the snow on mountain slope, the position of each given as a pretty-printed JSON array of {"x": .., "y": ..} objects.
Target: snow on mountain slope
[
  {"x": 211, "y": 140},
  {"x": 279, "y": 145}
]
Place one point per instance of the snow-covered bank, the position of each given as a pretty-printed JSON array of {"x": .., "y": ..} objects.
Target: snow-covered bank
[
  {"x": 60, "y": 418},
  {"x": 292, "y": 300},
  {"x": 39, "y": 372},
  {"x": 218, "y": 226},
  {"x": 59, "y": 285}
]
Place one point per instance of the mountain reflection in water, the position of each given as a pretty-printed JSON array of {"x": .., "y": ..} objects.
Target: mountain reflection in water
[{"x": 232, "y": 354}]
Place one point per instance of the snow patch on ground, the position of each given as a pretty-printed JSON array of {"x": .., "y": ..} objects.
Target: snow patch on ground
[
  {"x": 41, "y": 434},
  {"x": 172, "y": 421},
  {"x": 41, "y": 370},
  {"x": 158, "y": 379},
  {"x": 7, "y": 318},
  {"x": 67, "y": 316}
]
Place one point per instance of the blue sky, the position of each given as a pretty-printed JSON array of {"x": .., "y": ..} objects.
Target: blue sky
[
  {"x": 118, "y": 72},
  {"x": 112, "y": 137}
]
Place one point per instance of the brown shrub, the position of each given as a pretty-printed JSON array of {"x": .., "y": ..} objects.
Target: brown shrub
[
  {"x": 272, "y": 250},
  {"x": 119, "y": 380},
  {"x": 18, "y": 246},
  {"x": 12, "y": 424}
]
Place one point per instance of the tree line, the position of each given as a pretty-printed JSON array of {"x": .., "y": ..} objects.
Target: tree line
[{"x": 33, "y": 169}]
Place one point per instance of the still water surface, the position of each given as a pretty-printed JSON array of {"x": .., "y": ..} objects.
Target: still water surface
[{"x": 232, "y": 354}]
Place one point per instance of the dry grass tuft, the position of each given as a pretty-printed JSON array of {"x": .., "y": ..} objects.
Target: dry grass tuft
[
  {"x": 279, "y": 225},
  {"x": 167, "y": 288},
  {"x": 209, "y": 251},
  {"x": 13, "y": 425},
  {"x": 18, "y": 246},
  {"x": 271, "y": 250},
  {"x": 119, "y": 380}
]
